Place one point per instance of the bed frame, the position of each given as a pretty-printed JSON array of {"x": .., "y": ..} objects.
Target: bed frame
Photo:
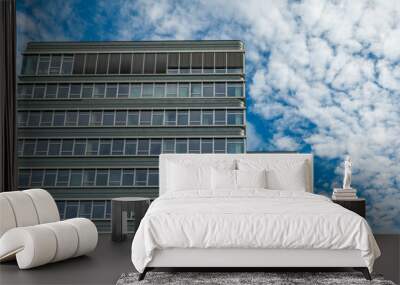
[{"x": 246, "y": 259}]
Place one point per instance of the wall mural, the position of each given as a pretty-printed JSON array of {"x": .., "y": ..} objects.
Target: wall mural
[{"x": 322, "y": 77}]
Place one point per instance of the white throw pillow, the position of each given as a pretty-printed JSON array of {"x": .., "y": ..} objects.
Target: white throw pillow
[
  {"x": 291, "y": 178},
  {"x": 251, "y": 179},
  {"x": 223, "y": 179},
  {"x": 183, "y": 177}
]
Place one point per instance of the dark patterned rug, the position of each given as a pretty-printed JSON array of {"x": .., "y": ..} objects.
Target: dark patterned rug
[{"x": 228, "y": 278}]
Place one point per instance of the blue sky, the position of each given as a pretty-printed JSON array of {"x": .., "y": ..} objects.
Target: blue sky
[{"x": 322, "y": 76}]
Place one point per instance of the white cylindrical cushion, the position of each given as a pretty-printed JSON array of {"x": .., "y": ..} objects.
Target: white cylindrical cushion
[
  {"x": 24, "y": 210},
  {"x": 87, "y": 235},
  {"x": 67, "y": 240},
  {"x": 34, "y": 246},
  {"x": 45, "y": 205},
  {"x": 7, "y": 218}
]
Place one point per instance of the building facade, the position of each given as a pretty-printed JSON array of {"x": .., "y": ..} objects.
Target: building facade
[{"x": 94, "y": 116}]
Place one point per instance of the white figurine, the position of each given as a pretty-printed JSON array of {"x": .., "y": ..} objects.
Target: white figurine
[{"x": 347, "y": 173}]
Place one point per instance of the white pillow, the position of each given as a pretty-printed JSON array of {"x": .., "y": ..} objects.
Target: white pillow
[
  {"x": 251, "y": 179},
  {"x": 291, "y": 178},
  {"x": 223, "y": 179},
  {"x": 184, "y": 177}
]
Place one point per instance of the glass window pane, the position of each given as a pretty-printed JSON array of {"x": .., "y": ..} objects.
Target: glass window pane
[
  {"x": 105, "y": 147},
  {"x": 181, "y": 146},
  {"x": 75, "y": 91},
  {"x": 29, "y": 64},
  {"x": 76, "y": 178},
  {"x": 102, "y": 63},
  {"x": 71, "y": 209},
  {"x": 126, "y": 62},
  {"x": 137, "y": 66},
  {"x": 148, "y": 90},
  {"x": 102, "y": 177},
  {"x": 235, "y": 117},
  {"x": 89, "y": 176},
  {"x": 59, "y": 118},
  {"x": 123, "y": 90},
  {"x": 143, "y": 146},
  {"x": 136, "y": 90},
  {"x": 220, "y": 61},
  {"x": 158, "y": 118},
  {"x": 67, "y": 146},
  {"x": 235, "y": 90},
  {"x": 206, "y": 146},
  {"x": 128, "y": 177},
  {"x": 161, "y": 64},
  {"x": 96, "y": 118},
  {"x": 37, "y": 177},
  {"x": 44, "y": 62},
  {"x": 108, "y": 118},
  {"x": 54, "y": 147},
  {"x": 79, "y": 61},
  {"x": 87, "y": 91},
  {"x": 80, "y": 147},
  {"x": 62, "y": 177},
  {"x": 133, "y": 118},
  {"x": 155, "y": 147},
  {"x": 173, "y": 59},
  {"x": 208, "y": 90},
  {"x": 98, "y": 209},
  {"x": 169, "y": 146},
  {"x": 117, "y": 147},
  {"x": 235, "y": 146},
  {"x": 115, "y": 177},
  {"x": 184, "y": 62},
  {"x": 141, "y": 177},
  {"x": 172, "y": 89},
  {"x": 34, "y": 119},
  {"x": 99, "y": 90},
  {"x": 220, "y": 89},
  {"x": 197, "y": 62},
  {"x": 67, "y": 64},
  {"x": 113, "y": 65},
  {"x": 22, "y": 118},
  {"x": 50, "y": 178},
  {"x": 195, "y": 117},
  {"x": 208, "y": 63},
  {"x": 63, "y": 91},
  {"x": 92, "y": 147},
  {"x": 183, "y": 90},
  {"x": 170, "y": 118},
  {"x": 72, "y": 118},
  {"x": 111, "y": 90},
  {"x": 29, "y": 147},
  {"x": 219, "y": 145},
  {"x": 23, "y": 178},
  {"x": 220, "y": 117},
  {"x": 120, "y": 118},
  {"x": 159, "y": 90},
  {"x": 145, "y": 118},
  {"x": 149, "y": 63},
  {"x": 46, "y": 118},
  {"x": 61, "y": 208},
  {"x": 183, "y": 118},
  {"x": 90, "y": 66},
  {"x": 235, "y": 62},
  {"x": 85, "y": 209},
  {"x": 39, "y": 91},
  {"x": 83, "y": 119},
  {"x": 25, "y": 90},
  {"x": 194, "y": 145},
  {"x": 41, "y": 147},
  {"x": 51, "y": 91},
  {"x": 130, "y": 147},
  {"x": 153, "y": 177},
  {"x": 207, "y": 118},
  {"x": 196, "y": 90}
]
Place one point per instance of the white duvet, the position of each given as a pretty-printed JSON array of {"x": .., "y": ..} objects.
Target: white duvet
[{"x": 250, "y": 219}]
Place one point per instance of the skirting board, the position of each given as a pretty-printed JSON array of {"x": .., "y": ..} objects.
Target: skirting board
[{"x": 189, "y": 257}]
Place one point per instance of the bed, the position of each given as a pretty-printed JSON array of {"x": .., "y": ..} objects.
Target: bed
[{"x": 246, "y": 211}]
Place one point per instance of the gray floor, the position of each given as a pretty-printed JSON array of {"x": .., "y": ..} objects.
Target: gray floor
[{"x": 110, "y": 260}]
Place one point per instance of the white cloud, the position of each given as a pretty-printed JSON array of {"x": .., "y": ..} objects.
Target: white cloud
[{"x": 254, "y": 140}]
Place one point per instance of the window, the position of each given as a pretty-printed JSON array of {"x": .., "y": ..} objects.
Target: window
[
  {"x": 170, "y": 118},
  {"x": 85, "y": 209},
  {"x": 220, "y": 62},
  {"x": 20, "y": 146},
  {"x": 126, "y": 61},
  {"x": 219, "y": 145},
  {"x": 55, "y": 64},
  {"x": 115, "y": 177},
  {"x": 208, "y": 64},
  {"x": 155, "y": 147},
  {"x": 44, "y": 62},
  {"x": 29, "y": 64},
  {"x": 143, "y": 147},
  {"x": 61, "y": 208},
  {"x": 172, "y": 63},
  {"x": 235, "y": 90},
  {"x": 206, "y": 146},
  {"x": 87, "y": 91},
  {"x": 123, "y": 90},
  {"x": 41, "y": 147},
  {"x": 46, "y": 118},
  {"x": 147, "y": 90},
  {"x": 184, "y": 61},
  {"x": 37, "y": 177},
  {"x": 169, "y": 146},
  {"x": 83, "y": 119},
  {"x": 145, "y": 118},
  {"x": 194, "y": 145},
  {"x": 181, "y": 146},
  {"x": 80, "y": 147},
  {"x": 96, "y": 118},
  {"x": 183, "y": 118},
  {"x": 128, "y": 177},
  {"x": 235, "y": 146},
  {"x": 29, "y": 147},
  {"x": 183, "y": 90},
  {"x": 24, "y": 91},
  {"x": 54, "y": 147},
  {"x": 220, "y": 116},
  {"x": 208, "y": 90},
  {"x": 72, "y": 118},
  {"x": 159, "y": 90},
  {"x": 59, "y": 117},
  {"x": 89, "y": 176},
  {"x": 137, "y": 66},
  {"x": 172, "y": 89},
  {"x": 62, "y": 178},
  {"x": 79, "y": 62},
  {"x": 23, "y": 178},
  {"x": 101, "y": 177},
  {"x": 197, "y": 62},
  {"x": 136, "y": 90},
  {"x": 75, "y": 91},
  {"x": 71, "y": 209},
  {"x": 63, "y": 91},
  {"x": 196, "y": 90},
  {"x": 113, "y": 65},
  {"x": 92, "y": 147},
  {"x": 51, "y": 91},
  {"x": 99, "y": 90},
  {"x": 67, "y": 146},
  {"x": 76, "y": 178},
  {"x": 133, "y": 118},
  {"x": 130, "y": 147},
  {"x": 117, "y": 147},
  {"x": 39, "y": 91},
  {"x": 90, "y": 66},
  {"x": 141, "y": 177},
  {"x": 50, "y": 178},
  {"x": 235, "y": 62},
  {"x": 149, "y": 63},
  {"x": 220, "y": 89},
  {"x": 207, "y": 118},
  {"x": 157, "y": 118},
  {"x": 22, "y": 118},
  {"x": 235, "y": 117},
  {"x": 98, "y": 210},
  {"x": 111, "y": 90},
  {"x": 153, "y": 177},
  {"x": 67, "y": 62},
  {"x": 195, "y": 117},
  {"x": 108, "y": 118},
  {"x": 102, "y": 63},
  {"x": 34, "y": 119},
  {"x": 120, "y": 118},
  {"x": 105, "y": 147},
  {"x": 161, "y": 63}
]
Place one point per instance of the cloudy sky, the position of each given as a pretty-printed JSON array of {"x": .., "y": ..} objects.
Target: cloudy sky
[{"x": 322, "y": 76}]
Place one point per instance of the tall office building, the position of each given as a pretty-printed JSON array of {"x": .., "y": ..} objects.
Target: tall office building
[{"x": 94, "y": 116}]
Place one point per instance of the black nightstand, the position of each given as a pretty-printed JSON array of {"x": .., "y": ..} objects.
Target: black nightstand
[{"x": 355, "y": 205}]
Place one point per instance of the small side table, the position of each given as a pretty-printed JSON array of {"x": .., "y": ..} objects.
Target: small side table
[
  {"x": 120, "y": 209},
  {"x": 355, "y": 205}
]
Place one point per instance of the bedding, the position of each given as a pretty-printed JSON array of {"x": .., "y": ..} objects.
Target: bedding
[{"x": 250, "y": 218}]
